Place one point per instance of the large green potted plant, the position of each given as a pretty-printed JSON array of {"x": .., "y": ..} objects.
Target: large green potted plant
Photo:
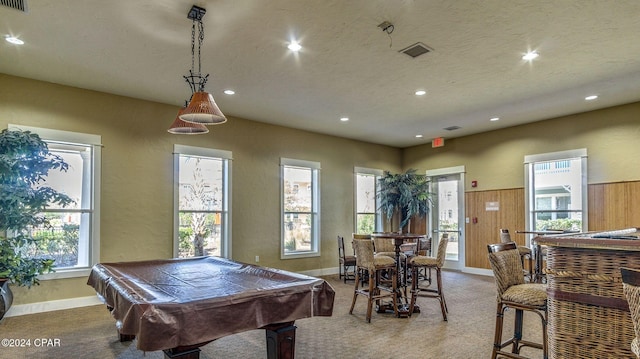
[
  {"x": 25, "y": 161},
  {"x": 406, "y": 194}
]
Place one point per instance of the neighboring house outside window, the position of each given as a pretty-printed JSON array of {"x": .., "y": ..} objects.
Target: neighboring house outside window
[
  {"x": 300, "y": 188},
  {"x": 556, "y": 188},
  {"x": 73, "y": 238},
  {"x": 367, "y": 216},
  {"x": 202, "y": 202}
]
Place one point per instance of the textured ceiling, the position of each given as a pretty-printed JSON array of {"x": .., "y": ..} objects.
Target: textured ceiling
[{"x": 348, "y": 66}]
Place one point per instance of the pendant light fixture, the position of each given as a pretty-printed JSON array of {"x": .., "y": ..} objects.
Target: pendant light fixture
[
  {"x": 202, "y": 109},
  {"x": 180, "y": 127}
]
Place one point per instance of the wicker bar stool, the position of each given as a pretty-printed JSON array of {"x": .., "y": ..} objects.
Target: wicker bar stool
[
  {"x": 428, "y": 263},
  {"x": 363, "y": 276},
  {"x": 525, "y": 252},
  {"x": 374, "y": 265},
  {"x": 514, "y": 293},
  {"x": 631, "y": 289}
]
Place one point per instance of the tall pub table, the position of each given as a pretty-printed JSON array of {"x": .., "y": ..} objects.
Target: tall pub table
[{"x": 398, "y": 240}]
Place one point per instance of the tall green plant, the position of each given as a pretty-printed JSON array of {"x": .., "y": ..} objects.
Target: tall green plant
[
  {"x": 25, "y": 161},
  {"x": 405, "y": 193}
]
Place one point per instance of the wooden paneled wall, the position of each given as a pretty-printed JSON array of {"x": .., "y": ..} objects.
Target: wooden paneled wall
[
  {"x": 611, "y": 206},
  {"x": 614, "y": 205},
  {"x": 510, "y": 215}
]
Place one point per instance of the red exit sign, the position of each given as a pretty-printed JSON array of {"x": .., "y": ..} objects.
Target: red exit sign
[{"x": 437, "y": 142}]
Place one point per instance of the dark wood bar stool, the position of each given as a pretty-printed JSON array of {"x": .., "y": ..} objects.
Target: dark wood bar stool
[{"x": 346, "y": 262}]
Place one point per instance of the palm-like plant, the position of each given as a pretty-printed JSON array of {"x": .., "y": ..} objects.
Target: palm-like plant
[{"x": 404, "y": 193}]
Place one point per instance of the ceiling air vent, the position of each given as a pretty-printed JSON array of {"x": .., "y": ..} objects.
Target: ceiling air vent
[
  {"x": 20, "y": 5},
  {"x": 452, "y": 128},
  {"x": 416, "y": 49}
]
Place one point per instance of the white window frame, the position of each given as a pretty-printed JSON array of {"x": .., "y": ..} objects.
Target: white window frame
[
  {"x": 93, "y": 232},
  {"x": 529, "y": 163},
  {"x": 378, "y": 214},
  {"x": 315, "y": 208},
  {"x": 227, "y": 157}
]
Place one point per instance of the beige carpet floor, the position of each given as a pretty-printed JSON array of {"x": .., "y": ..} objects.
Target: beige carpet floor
[{"x": 89, "y": 332}]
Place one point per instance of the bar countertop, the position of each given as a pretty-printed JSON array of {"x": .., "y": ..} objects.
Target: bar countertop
[{"x": 624, "y": 239}]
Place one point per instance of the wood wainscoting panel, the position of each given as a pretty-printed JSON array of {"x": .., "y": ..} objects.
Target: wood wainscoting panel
[
  {"x": 611, "y": 206},
  {"x": 614, "y": 205},
  {"x": 482, "y": 206}
]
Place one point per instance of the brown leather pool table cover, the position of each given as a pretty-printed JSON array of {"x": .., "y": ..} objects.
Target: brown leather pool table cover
[{"x": 181, "y": 302}]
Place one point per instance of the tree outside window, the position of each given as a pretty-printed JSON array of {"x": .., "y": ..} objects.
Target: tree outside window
[{"x": 202, "y": 202}]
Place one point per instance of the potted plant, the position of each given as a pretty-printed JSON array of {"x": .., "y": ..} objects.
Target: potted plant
[
  {"x": 25, "y": 161},
  {"x": 406, "y": 194}
]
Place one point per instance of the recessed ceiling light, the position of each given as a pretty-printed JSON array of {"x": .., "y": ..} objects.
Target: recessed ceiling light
[
  {"x": 530, "y": 55},
  {"x": 419, "y": 136},
  {"x": 294, "y": 46},
  {"x": 344, "y": 119},
  {"x": 591, "y": 98},
  {"x": 229, "y": 92},
  {"x": 494, "y": 119},
  {"x": 420, "y": 92},
  {"x": 14, "y": 40}
]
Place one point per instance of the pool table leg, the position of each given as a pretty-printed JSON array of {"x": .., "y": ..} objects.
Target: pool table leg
[
  {"x": 182, "y": 354},
  {"x": 187, "y": 352},
  {"x": 281, "y": 340}
]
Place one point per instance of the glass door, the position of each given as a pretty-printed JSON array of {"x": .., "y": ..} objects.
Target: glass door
[{"x": 447, "y": 213}]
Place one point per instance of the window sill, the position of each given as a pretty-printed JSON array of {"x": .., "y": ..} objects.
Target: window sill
[
  {"x": 299, "y": 255},
  {"x": 66, "y": 273}
]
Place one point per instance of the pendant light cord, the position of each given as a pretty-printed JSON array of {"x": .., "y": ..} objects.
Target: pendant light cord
[
  {"x": 193, "y": 42},
  {"x": 193, "y": 45},
  {"x": 200, "y": 40}
]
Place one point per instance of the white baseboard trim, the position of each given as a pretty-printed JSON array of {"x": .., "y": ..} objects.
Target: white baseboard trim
[
  {"x": 479, "y": 271},
  {"x": 320, "y": 272},
  {"x": 41, "y": 307}
]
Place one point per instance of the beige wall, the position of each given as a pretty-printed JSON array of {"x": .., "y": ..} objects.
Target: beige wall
[
  {"x": 136, "y": 212},
  {"x": 495, "y": 159},
  {"x": 137, "y": 175}
]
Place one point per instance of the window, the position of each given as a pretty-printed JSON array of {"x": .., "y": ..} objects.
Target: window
[
  {"x": 300, "y": 208},
  {"x": 556, "y": 191},
  {"x": 73, "y": 239},
  {"x": 202, "y": 202},
  {"x": 368, "y": 218}
]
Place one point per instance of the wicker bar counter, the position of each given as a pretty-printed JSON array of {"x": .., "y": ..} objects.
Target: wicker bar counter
[{"x": 588, "y": 313}]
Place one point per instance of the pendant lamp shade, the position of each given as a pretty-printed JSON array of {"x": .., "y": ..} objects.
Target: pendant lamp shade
[
  {"x": 202, "y": 109},
  {"x": 180, "y": 127}
]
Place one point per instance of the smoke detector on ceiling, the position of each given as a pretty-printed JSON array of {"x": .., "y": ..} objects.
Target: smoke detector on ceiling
[{"x": 416, "y": 49}]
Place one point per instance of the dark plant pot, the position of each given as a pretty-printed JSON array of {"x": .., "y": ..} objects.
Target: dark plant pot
[{"x": 6, "y": 297}]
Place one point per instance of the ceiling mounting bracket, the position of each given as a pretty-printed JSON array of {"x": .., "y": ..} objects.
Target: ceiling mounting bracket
[
  {"x": 387, "y": 27},
  {"x": 196, "y": 13}
]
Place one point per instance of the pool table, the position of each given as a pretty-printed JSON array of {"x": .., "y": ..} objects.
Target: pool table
[{"x": 179, "y": 305}]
